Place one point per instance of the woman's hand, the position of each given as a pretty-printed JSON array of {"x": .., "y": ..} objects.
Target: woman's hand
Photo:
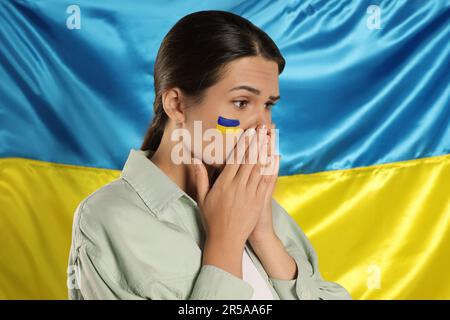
[
  {"x": 264, "y": 227},
  {"x": 268, "y": 247},
  {"x": 232, "y": 206}
]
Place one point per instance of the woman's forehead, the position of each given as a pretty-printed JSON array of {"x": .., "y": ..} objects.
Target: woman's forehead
[{"x": 255, "y": 72}]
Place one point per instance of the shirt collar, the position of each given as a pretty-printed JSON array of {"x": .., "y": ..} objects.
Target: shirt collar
[{"x": 154, "y": 187}]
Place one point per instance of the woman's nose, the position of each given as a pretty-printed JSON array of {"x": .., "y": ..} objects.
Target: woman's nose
[{"x": 264, "y": 119}]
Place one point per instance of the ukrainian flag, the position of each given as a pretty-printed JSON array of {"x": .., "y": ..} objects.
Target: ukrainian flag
[{"x": 364, "y": 130}]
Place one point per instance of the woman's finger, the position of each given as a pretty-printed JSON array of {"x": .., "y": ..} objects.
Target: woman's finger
[
  {"x": 255, "y": 175},
  {"x": 201, "y": 180},
  {"x": 250, "y": 159},
  {"x": 272, "y": 136},
  {"x": 268, "y": 181},
  {"x": 232, "y": 165}
]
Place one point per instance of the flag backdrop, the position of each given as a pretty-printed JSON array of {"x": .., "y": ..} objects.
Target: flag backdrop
[{"x": 364, "y": 130}]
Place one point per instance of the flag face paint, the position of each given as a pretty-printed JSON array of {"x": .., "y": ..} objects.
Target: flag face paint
[
  {"x": 224, "y": 129},
  {"x": 225, "y": 125},
  {"x": 228, "y": 122}
]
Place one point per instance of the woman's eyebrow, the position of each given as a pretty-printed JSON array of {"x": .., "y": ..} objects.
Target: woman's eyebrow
[{"x": 254, "y": 90}]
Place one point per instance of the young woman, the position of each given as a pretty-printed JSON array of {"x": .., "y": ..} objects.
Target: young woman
[{"x": 210, "y": 229}]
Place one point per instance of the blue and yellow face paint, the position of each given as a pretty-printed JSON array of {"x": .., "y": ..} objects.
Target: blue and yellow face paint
[{"x": 225, "y": 125}]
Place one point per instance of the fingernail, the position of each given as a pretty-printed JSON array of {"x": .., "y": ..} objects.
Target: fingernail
[{"x": 251, "y": 131}]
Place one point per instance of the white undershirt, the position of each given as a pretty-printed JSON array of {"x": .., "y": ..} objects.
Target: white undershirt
[{"x": 251, "y": 275}]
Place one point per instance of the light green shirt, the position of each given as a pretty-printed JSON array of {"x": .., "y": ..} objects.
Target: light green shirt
[{"x": 141, "y": 237}]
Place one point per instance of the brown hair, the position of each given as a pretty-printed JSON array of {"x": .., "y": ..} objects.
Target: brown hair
[{"x": 194, "y": 54}]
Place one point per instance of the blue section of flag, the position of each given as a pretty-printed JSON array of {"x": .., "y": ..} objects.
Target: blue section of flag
[{"x": 352, "y": 94}]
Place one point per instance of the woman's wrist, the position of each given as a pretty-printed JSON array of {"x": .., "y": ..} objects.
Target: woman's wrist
[
  {"x": 225, "y": 254},
  {"x": 276, "y": 260},
  {"x": 263, "y": 237}
]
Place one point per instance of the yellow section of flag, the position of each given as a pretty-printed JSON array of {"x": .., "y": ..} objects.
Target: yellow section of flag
[
  {"x": 380, "y": 231},
  {"x": 37, "y": 201}
]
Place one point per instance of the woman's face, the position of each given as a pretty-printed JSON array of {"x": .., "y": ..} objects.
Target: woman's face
[{"x": 246, "y": 92}]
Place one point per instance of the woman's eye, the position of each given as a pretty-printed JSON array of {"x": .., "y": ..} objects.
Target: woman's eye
[
  {"x": 270, "y": 105},
  {"x": 241, "y": 104}
]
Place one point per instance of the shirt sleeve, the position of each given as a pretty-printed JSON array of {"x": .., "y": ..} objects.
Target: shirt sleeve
[
  {"x": 133, "y": 274},
  {"x": 91, "y": 281},
  {"x": 87, "y": 278},
  {"x": 309, "y": 284}
]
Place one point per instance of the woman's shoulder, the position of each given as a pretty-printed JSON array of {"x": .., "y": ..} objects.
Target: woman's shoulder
[
  {"x": 118, "y": 232},
  {"x": 116, "y": 212},
  {"x": 108, "y": 209},
  {"x": 116, "y": 197}
]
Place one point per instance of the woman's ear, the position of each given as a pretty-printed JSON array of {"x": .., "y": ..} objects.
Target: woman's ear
[{"x": 173, "y": 106}]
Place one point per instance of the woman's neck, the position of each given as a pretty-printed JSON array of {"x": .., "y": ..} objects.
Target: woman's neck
[{"x": 182, "y": 174}]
